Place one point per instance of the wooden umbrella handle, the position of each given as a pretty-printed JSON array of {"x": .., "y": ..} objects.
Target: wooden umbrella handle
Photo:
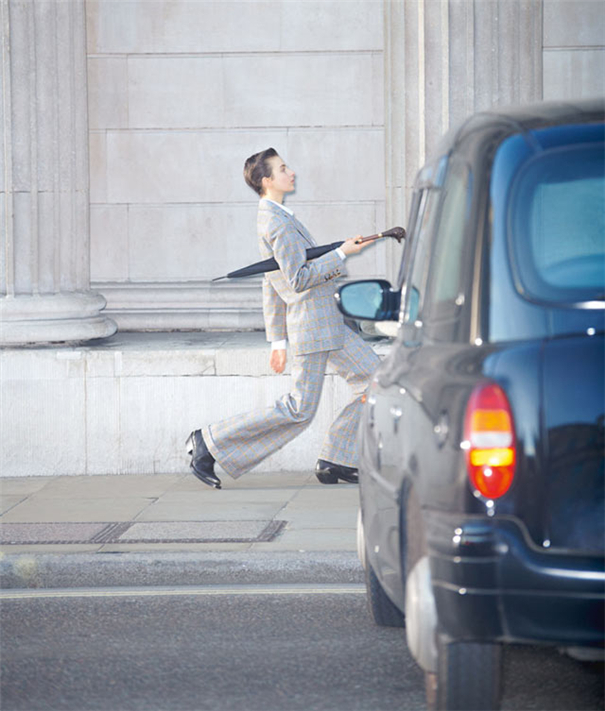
[{"x": 397, "y": 233}]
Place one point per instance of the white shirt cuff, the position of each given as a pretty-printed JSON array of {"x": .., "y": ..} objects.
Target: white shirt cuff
[
  {"x": 279, "y": 345},
  {"x": 340, "y": 253}
]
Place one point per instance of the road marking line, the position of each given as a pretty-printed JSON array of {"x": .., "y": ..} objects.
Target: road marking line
[{"x": 241, "y": 590}]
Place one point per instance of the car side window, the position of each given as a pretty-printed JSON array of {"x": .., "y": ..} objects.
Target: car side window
[
  {"x": 415, "y": 284},
  {"x": 446, "y": 290},
  {"x": 417, "y": 202}
]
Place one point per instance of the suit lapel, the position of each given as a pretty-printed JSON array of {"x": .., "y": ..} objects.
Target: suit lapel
[
  {"x": 303, "y": 231},
  {"x": 282, "y": 214}
]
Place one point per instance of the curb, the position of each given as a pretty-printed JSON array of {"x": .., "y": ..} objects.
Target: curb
[{"x": 92, "y": 570}]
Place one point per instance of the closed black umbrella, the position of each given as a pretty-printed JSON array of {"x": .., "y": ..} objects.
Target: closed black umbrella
[{"x": 270, "y": 265}]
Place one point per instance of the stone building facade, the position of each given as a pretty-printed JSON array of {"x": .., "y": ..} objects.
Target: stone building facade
[
  {"x": 126, "y": 124},
  {"x": 135, "y": 117}
]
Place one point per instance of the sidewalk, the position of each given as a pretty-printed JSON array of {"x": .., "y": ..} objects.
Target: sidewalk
[
  {"x": 55, "y": 530},
  {"x": 175, "y": 512}
]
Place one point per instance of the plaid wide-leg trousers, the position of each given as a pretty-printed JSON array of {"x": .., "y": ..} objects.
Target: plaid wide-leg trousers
[{"x": 240, "y": 443}]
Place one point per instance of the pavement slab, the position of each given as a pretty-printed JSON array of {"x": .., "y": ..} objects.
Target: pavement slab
[
  {"x": 113, "y": 487},
  {"x": 34, "y": 509},
  {"x": 104, "y": 514}
]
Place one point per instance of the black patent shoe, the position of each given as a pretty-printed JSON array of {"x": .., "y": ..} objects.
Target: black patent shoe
[
  {"x": 202, "y": 462},
  {"x": 329, "y": 473}
]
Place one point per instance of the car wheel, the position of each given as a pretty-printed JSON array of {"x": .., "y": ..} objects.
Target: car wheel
[
  {"x": 382, "y": 610},
  {"x": 468, "y": 678},
  {"x": 465, "y": 676}
]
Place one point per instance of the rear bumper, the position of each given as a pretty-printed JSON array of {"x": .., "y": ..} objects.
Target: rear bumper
[{"x": 491, "y": 582}]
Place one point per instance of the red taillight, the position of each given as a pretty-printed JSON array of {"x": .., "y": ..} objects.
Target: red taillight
[{"x": 489, "y": 441}]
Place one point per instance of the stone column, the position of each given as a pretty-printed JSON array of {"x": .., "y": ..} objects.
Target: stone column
[
  {"x": 444, "y": 60},
  {"x": 44, "y": 197}
]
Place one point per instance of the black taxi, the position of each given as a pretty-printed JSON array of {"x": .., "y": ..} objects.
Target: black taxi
[{"x": 482, "y": 436}]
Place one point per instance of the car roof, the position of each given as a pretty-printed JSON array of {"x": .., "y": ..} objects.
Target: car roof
[{"x": 487, "y": 129}]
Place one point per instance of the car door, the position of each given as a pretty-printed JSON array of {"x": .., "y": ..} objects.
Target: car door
[
  {"x": 420, "y": 385},
  {"x": 387, "y": 404}
]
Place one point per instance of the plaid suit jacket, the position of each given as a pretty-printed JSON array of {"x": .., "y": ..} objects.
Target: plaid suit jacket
[{"x": 298, "y": 299}]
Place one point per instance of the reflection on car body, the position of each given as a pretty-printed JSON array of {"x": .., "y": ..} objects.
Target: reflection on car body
[{"x": 481, "y": 441}]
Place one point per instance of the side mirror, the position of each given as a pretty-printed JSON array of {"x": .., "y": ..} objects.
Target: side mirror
[{"x": 369, "y": 300}]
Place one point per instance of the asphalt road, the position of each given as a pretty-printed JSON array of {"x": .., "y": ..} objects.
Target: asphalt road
[{"x": 239, "y": 648}]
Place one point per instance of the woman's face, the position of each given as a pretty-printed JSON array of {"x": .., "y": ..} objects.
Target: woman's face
[{"x": 282, "y": 178}]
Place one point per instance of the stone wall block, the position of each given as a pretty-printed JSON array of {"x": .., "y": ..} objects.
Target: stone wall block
[
  {"x": 310, "y": 25},
  {"x": 109, "y": 244},
  {"x": 103, "y": 364},
  {"x": 358, "y": 153},
  {"x": 191, "y": 242},
  {"x": 377, "y": 97},
  {"x": 38, "y": 442},
  {"x": 97, "y": 143},
  {"x": 574, "y": 74},
  {"x": 147, "y": 445},
  {"x": 103, "y": 426},
  {"x": 573, "y": 23},
  {"x": 37, "y": 386},
  {"x": 157, "y": 363},
  {"x": 108, "y": 98},
  {"x": 182, "y": 26},
  {"x": 324, "y": 89},
  {"x": 175, "y": 92},
  {"x": 41, "y": 366}
]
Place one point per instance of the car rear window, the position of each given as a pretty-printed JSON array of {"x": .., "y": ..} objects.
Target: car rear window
[{"x": 557, "y": 223}]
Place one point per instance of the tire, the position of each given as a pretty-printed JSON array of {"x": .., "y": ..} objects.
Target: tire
[
  {"x": 469, "y": 677},
  {"x": 469, "y": 674},
  {"x": 383, "y": 611}
]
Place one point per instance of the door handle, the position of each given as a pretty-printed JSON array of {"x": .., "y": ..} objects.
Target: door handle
[
  {"x": 441, "y": 429},
  {"x": 396, "y": 413}
]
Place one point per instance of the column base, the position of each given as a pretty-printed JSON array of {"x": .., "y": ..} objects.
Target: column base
[{"x": 67, "y": 317}]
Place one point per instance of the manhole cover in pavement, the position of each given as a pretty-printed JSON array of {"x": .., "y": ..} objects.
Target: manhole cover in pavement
[
  {"x": 190, "y": 531},
  {"x": 141, "y": 532}
]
